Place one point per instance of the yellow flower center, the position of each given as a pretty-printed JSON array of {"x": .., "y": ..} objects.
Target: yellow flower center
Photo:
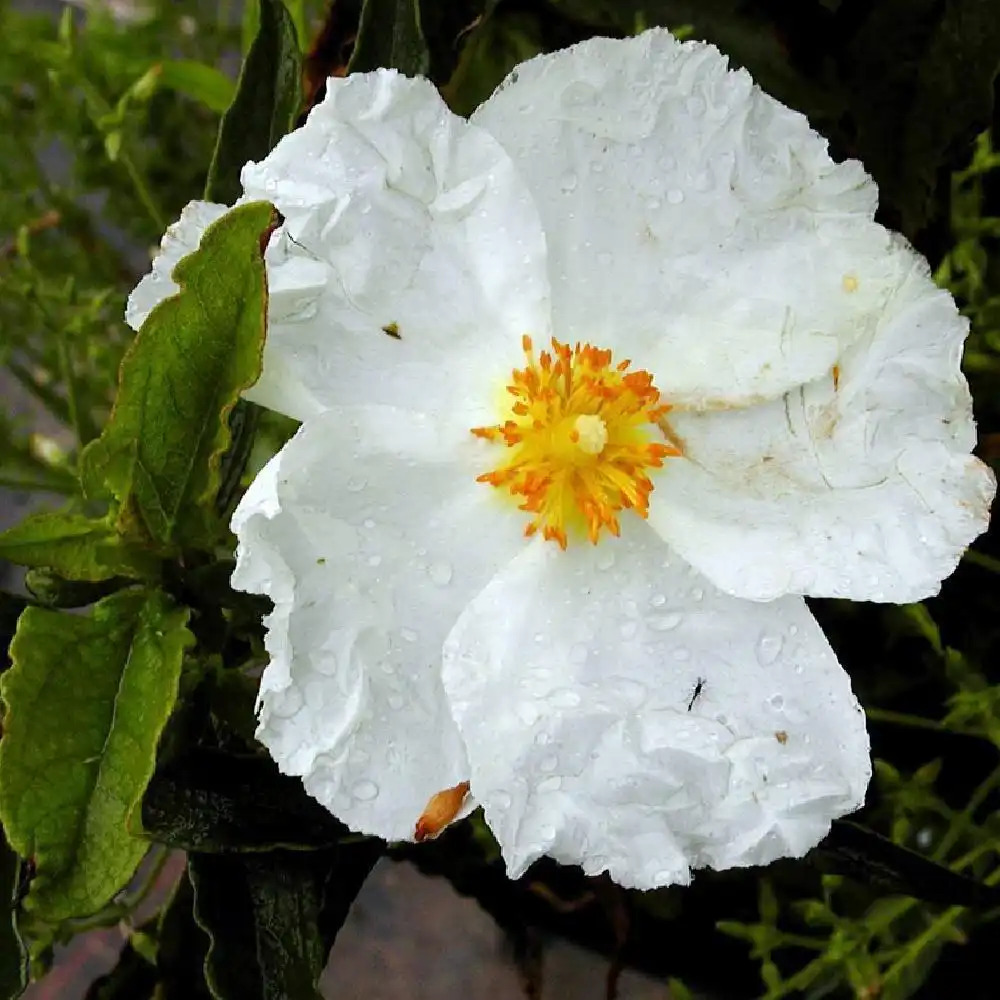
[{"x": 581, "y": 434}]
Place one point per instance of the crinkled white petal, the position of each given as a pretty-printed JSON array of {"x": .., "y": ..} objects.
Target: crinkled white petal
[
  {"x": 573, "y": 676},
  {"x": 859, "y": 487},
  {"x": 422, "y": 245},
  {"x": 178, "y": 241},
  {"x": 693, "y": 222},
  {"x": 370, "y": 535}
]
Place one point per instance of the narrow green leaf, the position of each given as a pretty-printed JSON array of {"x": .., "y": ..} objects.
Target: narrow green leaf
[
  {"x": 13, "y": 961},
  {"x": 85, "y": 702},
  {"x": 209, "y": 801},
  {"x": 75, "y": 547},
  {"x": 266, "y": 102},
  {"x": 200, "y": 82},
  {"x": 180, "y": 959},
  {"x": 390, "y": 36},
  {"x": 159, "y": 455},
  {"x": 272, "y": 918}
]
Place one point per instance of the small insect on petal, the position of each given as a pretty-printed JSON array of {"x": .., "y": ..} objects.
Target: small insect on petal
[{"x": 439, "y": 812}]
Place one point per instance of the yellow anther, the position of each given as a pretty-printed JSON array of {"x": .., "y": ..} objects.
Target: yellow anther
[{"x": 581, "y": 433}]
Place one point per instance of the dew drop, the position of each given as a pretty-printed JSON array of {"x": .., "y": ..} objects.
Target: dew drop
[
  {"x": 658, "y": 600},
  {"x": 369, "y": 523},
  {"x": 628, "y": 629},
  {"x": 697, "y": 594},
  {"x": 552, "y": 784},
  {"x": 793, "y": 630},
  {"x": 356, "y": 485},
  {"x": 396, "y": 701},
  {"x": 682, "y": 653},
  {"x": 675, "y": 196},
  {"x": 365, "y": 790},
  {"x": 374, "y": 560},
  {"x": 502, "y": 799},
  {"x": 548, "y": 763},
  {"x": 664, "y": 623},
  {"x": 568, "y": 182},
  {"x": 768, "y": 648},
  {"x": 440, "y": 573},
  {"x": 605, "y": 558},
  {"x": 777, "y": 701},
  {"x": 542, "y": 738},
  {"x": 653, "y": 204},
  {"x": 565, "y": 698},
  {"x": 539, "y": 637},
  {"x": 409, "y": 634},
  {"x": 527, "y": 713}
]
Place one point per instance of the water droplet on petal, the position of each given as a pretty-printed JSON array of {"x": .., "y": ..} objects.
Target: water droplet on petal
[
  {"x": 409, "y": 634},
  {"x": 658, "y": 600},
  {"x": 374, "y": 560},
  {"x": 697, "y": 594},
  {"x": 365, "y": 790},
  {"x": 566, "y": 698},
  {"x": 440, "y": 573},
  {"x": 768, "y": 648},
  {"x": 502, "y": 799},
  {"x": 542, "y": 737},
  {"x": 527, "y": 713},
  {"x": 663, "y": 623},
  {"x": 356, "y": 484},
  {"x": 568, "y": 181},
  {"x": 369, "y": 523},
  {"x": 793, "y": 630},
  {"x": 552, "y": 784},
  {"x": 548, "y": 763},
  {"x": 777, "y": 701},
  {"x": 396, "y": 701},
  {"x": 682, "y": 653},
  {"x": 539, "y": 637},
  {"x": 675, "y": 196},
  {"x": 605, "y": 558},
  {"x": 628, "y": 629}
]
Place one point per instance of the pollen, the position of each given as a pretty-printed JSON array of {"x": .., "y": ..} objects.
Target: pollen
[{"x": 581, "y": 434}]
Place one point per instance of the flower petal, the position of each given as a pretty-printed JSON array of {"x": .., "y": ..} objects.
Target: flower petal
[
  {"x": 430, "y": 243},
  {"x": 859, "y": 485},
  {"x": 693, "y": 222},
  {"x": 178, "y": 241},
  {"x": 370, "y": 534},
  {"x": 622, "y": 714}
]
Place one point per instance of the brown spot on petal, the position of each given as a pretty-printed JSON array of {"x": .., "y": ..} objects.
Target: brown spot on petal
[
  {"x": 781, "y": 736},
  {"x": 440, "y": 811}
]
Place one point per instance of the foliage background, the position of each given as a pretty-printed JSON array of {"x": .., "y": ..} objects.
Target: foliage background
[{"x": 108, "y": 127}]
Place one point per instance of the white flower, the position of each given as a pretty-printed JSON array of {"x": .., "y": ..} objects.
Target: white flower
[{"x": 793, "y": 415}]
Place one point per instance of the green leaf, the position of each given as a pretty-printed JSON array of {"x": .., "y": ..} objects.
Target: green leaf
[
  {"x": 492, "y": 50},
  {"x": 180, "y": 959},
  {"x": 272, "y": 918},
  {"x": 85, "y": 702},
  {"x": 75, "y": 547},
  {"x": 390, "y": 36},
  {"x": 159, "y": 455},
  {"x": 13, "y": 960},
  {"x": 209, "y": 801},
  {"x": 921, "y": 75},
  {"x": 265, "y": 106},
  {"x": 202, "y": 83}
]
